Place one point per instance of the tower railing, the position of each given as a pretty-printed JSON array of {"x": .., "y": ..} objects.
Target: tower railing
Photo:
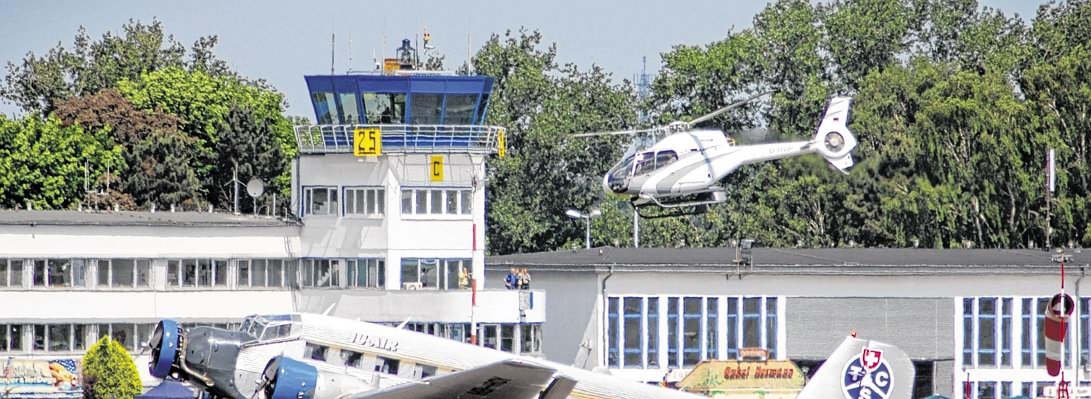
[{"x": 324, "y": 139}]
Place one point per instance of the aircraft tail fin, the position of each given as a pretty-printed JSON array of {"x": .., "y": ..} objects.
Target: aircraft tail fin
[
  {"x": 860, "y": 368},
  {"x": 834, "y": 139}
]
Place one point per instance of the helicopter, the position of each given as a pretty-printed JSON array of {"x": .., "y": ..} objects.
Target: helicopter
[{"x": 682, "y": 173}]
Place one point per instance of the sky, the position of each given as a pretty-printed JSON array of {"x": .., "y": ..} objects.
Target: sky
[{"x": 280, "y": 41}]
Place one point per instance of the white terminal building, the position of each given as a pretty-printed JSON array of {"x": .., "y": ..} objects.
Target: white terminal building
[{"x": 388, "y": 194}]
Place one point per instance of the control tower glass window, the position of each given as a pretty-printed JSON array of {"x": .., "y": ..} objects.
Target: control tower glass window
[
  {"x": 481, "y": 109},
  {"x": 325, "y": 107},
  {"x": 384, "y": 108},
  {"x": 349, "y": 108},
  {"x": 459, "y": 109},
  {"x": 427, "y": 109}
]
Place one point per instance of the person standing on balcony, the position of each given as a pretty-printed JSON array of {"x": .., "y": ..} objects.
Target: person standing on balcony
[{"x": 511, "y": 282}]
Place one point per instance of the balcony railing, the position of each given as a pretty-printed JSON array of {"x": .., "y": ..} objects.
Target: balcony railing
[{"x": 322, "y": 139}]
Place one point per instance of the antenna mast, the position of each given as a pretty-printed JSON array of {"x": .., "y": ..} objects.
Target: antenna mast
[{"x": 333, "y": 46}]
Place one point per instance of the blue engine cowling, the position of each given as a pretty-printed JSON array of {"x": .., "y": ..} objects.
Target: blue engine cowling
[
  {"x": 286, "y": 378},
  {"x": 164, "y": 345}
]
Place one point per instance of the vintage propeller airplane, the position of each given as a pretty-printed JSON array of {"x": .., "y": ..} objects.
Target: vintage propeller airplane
[{"x": 685, "y": 169}]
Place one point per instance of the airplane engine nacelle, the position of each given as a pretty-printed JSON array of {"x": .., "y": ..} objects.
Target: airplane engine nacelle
[
  {"x": 165, "y": 344},
  {"x": 287, "y": 378}
]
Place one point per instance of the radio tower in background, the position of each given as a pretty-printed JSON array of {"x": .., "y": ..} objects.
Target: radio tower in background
[{"x": 643, "y": 86}]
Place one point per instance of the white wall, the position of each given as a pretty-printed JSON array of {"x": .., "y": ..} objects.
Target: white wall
[
  {"x": 493, "y": 306},
  {"x": 394, "y": 236},
  {"x": 148, "y": 242}
]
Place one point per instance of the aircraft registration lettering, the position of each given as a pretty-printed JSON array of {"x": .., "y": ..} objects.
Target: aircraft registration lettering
[
  {"x": 780, "y": 150},
  {"x": 372, "y": 341},
  {"x": 486, "y": 388}
]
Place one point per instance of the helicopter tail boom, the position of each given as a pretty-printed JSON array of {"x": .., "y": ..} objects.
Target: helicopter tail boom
[{"x": 834, "y": 140}]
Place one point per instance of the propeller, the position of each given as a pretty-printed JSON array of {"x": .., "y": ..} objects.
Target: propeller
[
  {"x": 267, "y": 383},
  {"x": 678, "y": 126},
  {"x": 164, "y": 344}
]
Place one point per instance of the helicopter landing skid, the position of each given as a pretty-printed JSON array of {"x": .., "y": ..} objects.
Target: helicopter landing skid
[
  {"x": 683, "y": 205},
  {"x": 680, "y": 210}
]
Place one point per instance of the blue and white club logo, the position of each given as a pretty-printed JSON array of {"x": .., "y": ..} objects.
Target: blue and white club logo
[{"x": 867, "y": 376}]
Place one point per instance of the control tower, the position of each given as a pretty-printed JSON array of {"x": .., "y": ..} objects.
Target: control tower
[{"x": 389, "y": 184}]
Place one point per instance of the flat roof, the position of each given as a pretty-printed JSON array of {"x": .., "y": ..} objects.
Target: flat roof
[
  {"x": 133, "y": 218},
  {"x": 864, "y": 261}
]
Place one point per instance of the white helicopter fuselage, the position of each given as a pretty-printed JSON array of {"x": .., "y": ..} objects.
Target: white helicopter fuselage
[{"x": 694, "y": 162}]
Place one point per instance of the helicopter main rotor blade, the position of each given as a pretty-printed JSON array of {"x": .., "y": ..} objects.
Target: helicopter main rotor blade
[
  {"x": 729, "y": 107},
  {"x": 617, "y": 133}
]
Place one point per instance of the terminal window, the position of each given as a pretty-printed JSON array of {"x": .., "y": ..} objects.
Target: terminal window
[
  {"x": 123, "y": 273},
  {"x": 261, "y": 273},
  {"x": 434, "y": 273},
  {"x": 320, "y": 273},
  {"x": 197, "y": 273},
  {"x": 60, "y": 273},
  {"x": 364, "y": 201},
  {"x": 320, "y": 201},
  {"x": 11, "y": 338},
  {"x": 437, "y": 201},
  {"x": 696, "y": 327},
  {"x": 367, "y": 273},
  {"x": 58, "y": 337},
  {"x": 11, "y": 272}
]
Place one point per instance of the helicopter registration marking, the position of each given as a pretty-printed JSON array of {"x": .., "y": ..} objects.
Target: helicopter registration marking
[{"x": 780, "y": 150}]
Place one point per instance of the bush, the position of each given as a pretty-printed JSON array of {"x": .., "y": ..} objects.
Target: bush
[{"x": 109, "y": 372}]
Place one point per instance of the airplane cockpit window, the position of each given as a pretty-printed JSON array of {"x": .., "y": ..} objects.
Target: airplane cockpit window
[
  {"x": 274, "y": 332},
  {"x": 271, "y": 327}
]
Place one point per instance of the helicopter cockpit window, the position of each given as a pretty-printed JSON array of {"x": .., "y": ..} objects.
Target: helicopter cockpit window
[
  {"x": 664, "y": 158},
  {"x": 645, "y": 163},
  {"x": 622, "y": 169}
]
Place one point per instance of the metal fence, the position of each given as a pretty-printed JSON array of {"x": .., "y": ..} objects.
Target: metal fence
[{"x": 400, "y": 138}]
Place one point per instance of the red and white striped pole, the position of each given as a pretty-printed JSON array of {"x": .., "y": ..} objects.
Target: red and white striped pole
[{"x": 1059, "y": 309}]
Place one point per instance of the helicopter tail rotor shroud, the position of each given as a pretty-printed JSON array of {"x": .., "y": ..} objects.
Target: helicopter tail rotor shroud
[{"x": 834, "y": 141}]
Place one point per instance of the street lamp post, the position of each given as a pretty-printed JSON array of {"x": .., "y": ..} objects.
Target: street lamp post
[{"x": 586, "y": 215}]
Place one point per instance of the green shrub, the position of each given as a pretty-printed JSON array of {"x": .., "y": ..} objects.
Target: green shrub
[{"x": 109, "y": 372}]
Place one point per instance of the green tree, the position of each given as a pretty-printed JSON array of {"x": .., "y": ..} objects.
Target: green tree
[
  {"x": 863, "y": 35},
  {"x": 244, "y": 144},
  {"x": 159, "y": 158},
  {"x": 109, "y": 371},
  {"x": 541, "y": 104},
  {"x": 203, "y": 102},
  {"x": 49, "y": 165},
  {"x": 39, "y": 83}
]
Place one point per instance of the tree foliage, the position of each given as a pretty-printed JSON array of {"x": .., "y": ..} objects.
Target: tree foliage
[
  {"x": 541, "y": 103},
  {"x": 109, "y": 371},
  {"x": 48, "y": 165},
  {"x": 40, "y": 82},
  {"x": 203, "y": 103},
  {"x": 955, "y": 107}
]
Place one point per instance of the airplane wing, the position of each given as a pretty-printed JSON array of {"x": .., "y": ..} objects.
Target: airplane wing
[{"x": 510, "y": 378}]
